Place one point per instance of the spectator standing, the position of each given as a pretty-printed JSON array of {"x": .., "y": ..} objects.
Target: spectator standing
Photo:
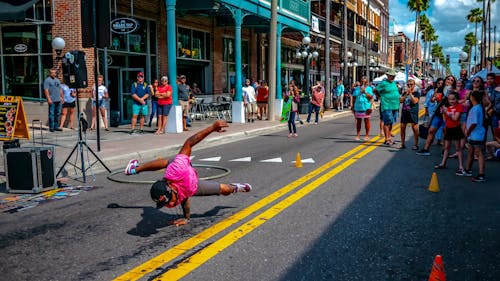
[
  {"x": 55, "y": 96},
  {"x": 262, "y": 100},
  {"x": 195, "y": 89},
  {"x": 153, "y": 88},
  {"x": 409, "y": 112},
  {"x": 476, "y": 133},
  {"x": 339, "y": 92},
  {"x": 183, "y": 94},
  {"x": 388, "y": 92},
  {"x": 103, "y": 94},
  {"x": 164, "y": 94},
  {"x": 140, "y": 93},
  {"x": 294, "y": 95},
  {"x": 249, "y": 101},
  {"x": 493, "y": 108},
  {"x": 465, "y": 79},
  {"x": 68, "y": 105},
  {"x": 361, "y": 101},
  {"x": 453, "y": 132},
  {"x": 318, "y": 96}
]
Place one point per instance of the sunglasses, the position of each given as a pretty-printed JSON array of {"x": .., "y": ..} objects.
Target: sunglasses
[{"x": 478, "y": 81}]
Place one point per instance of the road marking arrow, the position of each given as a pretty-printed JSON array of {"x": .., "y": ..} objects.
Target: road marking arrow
[
  {"x": 244, "y": 159},
  {"x": 212, "y": 159},
  {"x": 273, "y": 160}
]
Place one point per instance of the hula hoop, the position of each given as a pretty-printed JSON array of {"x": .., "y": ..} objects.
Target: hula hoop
[{"x": 226, "y": 172}]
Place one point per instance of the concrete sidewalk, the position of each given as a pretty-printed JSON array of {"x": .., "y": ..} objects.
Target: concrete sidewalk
[{"x": 117, "y": 146}]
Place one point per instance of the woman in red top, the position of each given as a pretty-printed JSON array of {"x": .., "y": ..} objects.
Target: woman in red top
[
  {"x": 262, "y": 99},
  {"x": 453, "y": 131},
  {"x": 164, "y": 95}
]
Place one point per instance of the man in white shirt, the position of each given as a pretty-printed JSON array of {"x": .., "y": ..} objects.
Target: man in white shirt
[{"x": 249, "y": 101}]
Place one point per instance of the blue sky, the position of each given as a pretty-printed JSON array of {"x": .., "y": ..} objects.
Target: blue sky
[{"x": 449, "y": 20}]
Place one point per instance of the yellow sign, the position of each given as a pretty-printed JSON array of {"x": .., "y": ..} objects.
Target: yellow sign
[{"x": 13, "y": 122}]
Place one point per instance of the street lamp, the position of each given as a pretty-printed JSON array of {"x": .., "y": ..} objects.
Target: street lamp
[
  {"x": 350, "y": 62},
  {"x": 306, "y": 52},
  {"x": 58, "y": 44}
]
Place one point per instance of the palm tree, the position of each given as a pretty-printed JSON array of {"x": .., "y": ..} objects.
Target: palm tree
[
  {"x": 470, "y": 42},
  {"x": 417, "y": 6},
  {"x": 475, "y": 16},
  {"x": 425, "y": 26},
  {"x": 487, "y": 17}
]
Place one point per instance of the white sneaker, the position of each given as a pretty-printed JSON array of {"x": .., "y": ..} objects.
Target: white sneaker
[
  {"x": 130, "y": 169},
  {"x": 242, "y": 187}
]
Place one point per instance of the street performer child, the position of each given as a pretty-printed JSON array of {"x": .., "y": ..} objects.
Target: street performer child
[{"x": 180, "y": 180}]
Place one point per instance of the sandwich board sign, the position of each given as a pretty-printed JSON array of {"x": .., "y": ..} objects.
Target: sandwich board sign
[{"x": 13, "y": 122}]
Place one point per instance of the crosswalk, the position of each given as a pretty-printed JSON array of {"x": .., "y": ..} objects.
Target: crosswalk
[{"x": 249, "y": 159}]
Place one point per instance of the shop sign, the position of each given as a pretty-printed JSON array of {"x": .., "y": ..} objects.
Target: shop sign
[
  {"x": 20, "y": 48},
  {"x": 315, "y": 24},
  {"x": 124, "y": 25}
]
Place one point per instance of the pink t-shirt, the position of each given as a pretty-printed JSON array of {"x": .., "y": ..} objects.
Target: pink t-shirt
[{"x": 183, "y": 176}]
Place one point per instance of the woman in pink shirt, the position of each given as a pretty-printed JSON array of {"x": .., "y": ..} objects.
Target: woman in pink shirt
[{"x": 180, "y": 180}]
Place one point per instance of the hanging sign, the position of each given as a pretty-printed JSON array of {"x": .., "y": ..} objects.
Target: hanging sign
[
  {"x": 20, "y": 48},
  {"x": 124, "y": 25},
  {"x": 13, "y": 123}
]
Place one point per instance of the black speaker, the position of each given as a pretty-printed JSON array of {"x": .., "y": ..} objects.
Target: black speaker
[
  {"x": 103, "y": 23},
  {"x": 74, "y": 67},
  {"x": 30, "y": 170}
]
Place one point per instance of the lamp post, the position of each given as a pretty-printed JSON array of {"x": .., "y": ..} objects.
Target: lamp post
[
  {"x": 350, "y": 63},
  {"x": 58, "y": 45},
  {"x": 306, "y": 52}
]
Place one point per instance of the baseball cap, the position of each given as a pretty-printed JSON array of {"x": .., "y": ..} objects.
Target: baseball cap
[
  {"x": 140, "y": 74},
  {"x": 182, "y": 76},
  {"x": 158, "y": 189}
]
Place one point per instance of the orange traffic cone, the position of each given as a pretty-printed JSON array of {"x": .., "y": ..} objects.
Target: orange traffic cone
[
  {"x": 298, "y": 161},
  {"x": 434, "y": 185},
  {"x": 437, "y": 272}
]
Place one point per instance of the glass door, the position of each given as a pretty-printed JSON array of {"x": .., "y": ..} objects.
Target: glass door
[{"x": 127, "y": 77}]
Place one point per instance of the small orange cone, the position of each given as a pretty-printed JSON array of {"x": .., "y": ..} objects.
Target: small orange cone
[
  {"x": 437, "y": 272},
  {"x": 434, "y": 185},
  {"x": 298, "y": 161}
]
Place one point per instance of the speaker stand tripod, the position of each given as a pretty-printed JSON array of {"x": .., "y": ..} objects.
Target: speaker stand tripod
[{"x": 81, "y": 144}]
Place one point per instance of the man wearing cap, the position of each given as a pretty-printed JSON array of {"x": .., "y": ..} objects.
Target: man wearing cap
[
  {"x": 387, "y": 91},
  {"x": 183, "y": 91},
  {"x": 140, "y": 94},
  {"x": 180, "y": 180}
]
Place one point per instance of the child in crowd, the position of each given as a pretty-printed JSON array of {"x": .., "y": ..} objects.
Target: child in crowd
[
  {"x": 453, "y": 131},
  {"x": 475, "y": 136}
]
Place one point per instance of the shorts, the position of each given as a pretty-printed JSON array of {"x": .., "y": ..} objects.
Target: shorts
[
  {"x": 141, "y": 109},
  {"x": 455, "y": 133},
  {"x": 251, "y": 107},
  {"x": 390, "y": 116},
  {"x": 437, "y": 122},
  {"x": 69, "y": 104},
  {"x": 207, "y": 188},
  {"x": 101, "y": 103},
  {"x": 409, "y": 117},
  {"x": 185, "y": 107},
  {"x": 476, "y": 144},
  {"x": 164, "y": 109}
]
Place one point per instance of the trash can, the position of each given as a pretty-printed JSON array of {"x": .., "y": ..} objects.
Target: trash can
[
  {"x": 114, "y": 120},
  {"x": 304, "y": 105}
]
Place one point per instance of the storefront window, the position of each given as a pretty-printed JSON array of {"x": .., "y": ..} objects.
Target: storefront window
[
  {"x": 229, "y": 59},
  {"x": 19, "y": 39},
  {"x": 192, "y": 44}
]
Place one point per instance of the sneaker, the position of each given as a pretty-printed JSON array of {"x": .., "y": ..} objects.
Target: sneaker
[
  {"x": 141, "y": 132},
  {"x": 301, "y": 122},
  {"x": 460, "y": 172},
  {"x": 423, "y": 152},
  {"x": 130, "y": 169},
  {"x": 132, "y": 132},
  {"x": 468, "y": 173},
  {"x": 479, "y": 178},
  {"x": 242, "y": 187}
]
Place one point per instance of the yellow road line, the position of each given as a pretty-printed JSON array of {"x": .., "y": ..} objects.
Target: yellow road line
[
  {"x": 196, "y": 260},
  {"x": 174, "y": 252}
]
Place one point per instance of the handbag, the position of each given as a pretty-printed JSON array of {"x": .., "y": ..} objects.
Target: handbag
[{"x": 423, "y": 127}]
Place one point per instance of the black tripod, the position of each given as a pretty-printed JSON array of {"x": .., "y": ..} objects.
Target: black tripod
[{"x": 81, "y": 144}]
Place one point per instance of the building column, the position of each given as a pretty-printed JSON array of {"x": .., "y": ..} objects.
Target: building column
[
  {"x": 174, "y": 124},
  {"x": 238, "y": 110}
]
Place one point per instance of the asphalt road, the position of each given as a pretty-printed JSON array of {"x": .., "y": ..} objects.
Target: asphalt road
[{"x": 359, "y": 212}]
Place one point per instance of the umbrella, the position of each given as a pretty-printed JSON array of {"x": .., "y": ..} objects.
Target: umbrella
[{"x": 485, "y": 72}]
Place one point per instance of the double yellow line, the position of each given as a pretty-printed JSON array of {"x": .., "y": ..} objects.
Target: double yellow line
[{"x": 188, "y": 265}]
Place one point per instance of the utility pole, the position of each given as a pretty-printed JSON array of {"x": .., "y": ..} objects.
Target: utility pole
[
  {"x": 367, "y": 41},
  {"x": 328, "y": 71},
  {"x": 272, "y": 60},
  {"x": 344, "y": 43}
]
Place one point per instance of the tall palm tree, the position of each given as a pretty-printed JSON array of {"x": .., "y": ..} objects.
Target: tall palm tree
[
  {"x": 487, "y": 18},
  {"x": 425, "y": 26},
  {"x": 475, "y": 16},
  {"x": 417, "y": 6},
  {"x": 470, "y": 42}
]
